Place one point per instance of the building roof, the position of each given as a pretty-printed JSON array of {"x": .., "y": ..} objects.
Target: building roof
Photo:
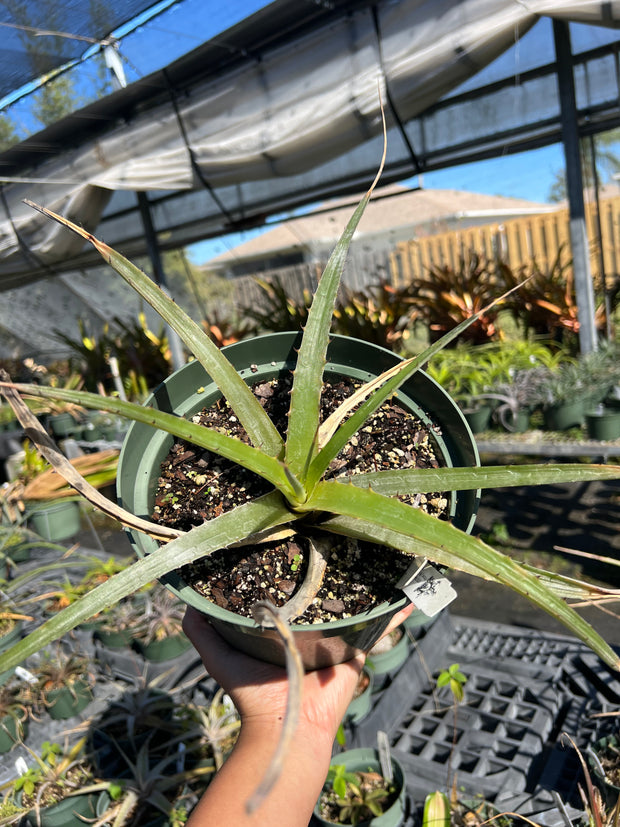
[{"x": 392, "y": 208}]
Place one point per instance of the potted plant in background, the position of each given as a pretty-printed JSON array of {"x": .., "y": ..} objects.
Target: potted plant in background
[
  {"x": 158, "y": 629},
  {"x": 357, "y": 792},
  {"x": 98, "y": 571},
  {"x": 561, "y": 397},
  {"x": 43, "y": 498},
  {"x": 296, "y": 470},
  {"x": 210, "y": 730},
  {"x": 148, "y": 790},
  {"x": 64, "y": 684},
  {"x": 599, "y": 374},
  {"x": 488, "y": 377},
  {"x": 466, "y": 379},
  {"x": 15, "y": 544},
  {"x": 115, "y": 625},
  {"x": 14, "y": 709},
  {"x": 603, "y": 423},
  {"x": 59, "y": 790},
  {"x": 517, "y": 397},
  {"x": 11, "y": 627}
]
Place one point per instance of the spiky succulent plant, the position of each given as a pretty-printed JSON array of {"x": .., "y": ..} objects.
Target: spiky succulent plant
[{"x": 296, "y": 465}]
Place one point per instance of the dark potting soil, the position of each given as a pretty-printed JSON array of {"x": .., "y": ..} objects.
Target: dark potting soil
[{"x": 196, "y": 485}]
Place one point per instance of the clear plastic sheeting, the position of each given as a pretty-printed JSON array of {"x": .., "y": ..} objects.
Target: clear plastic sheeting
[{"x": 295, "y": 123}]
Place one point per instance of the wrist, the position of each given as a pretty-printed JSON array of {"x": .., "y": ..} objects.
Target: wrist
[{"x": 269, "y": 727}]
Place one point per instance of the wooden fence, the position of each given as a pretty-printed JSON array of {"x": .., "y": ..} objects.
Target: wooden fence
[{"x": 517, "y": 242}]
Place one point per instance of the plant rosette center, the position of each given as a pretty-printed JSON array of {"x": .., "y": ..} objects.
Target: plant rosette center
[{"x": 196, "y": 485}]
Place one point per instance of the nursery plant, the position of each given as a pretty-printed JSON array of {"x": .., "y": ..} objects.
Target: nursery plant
[
  {"x": 212, "y": 728},
  {"x": 147, "y": 789},
  {"x": 379, "y": 313},
  {"x": 56, "y": 775},
  {"x": 441, "y": 811},
  {"x": 63, "y": 683},
  {"x": 115, "y": 624},
  {"x": 447, "y": 295},
  {"x": 98, "y": 571},
  {"x": 296, "y": 465},
  {"x": 14, "y": 711},
  {"x": 158, "y": 631},
  {"x": 357, "y": 792}
]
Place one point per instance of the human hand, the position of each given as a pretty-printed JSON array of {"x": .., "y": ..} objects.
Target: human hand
[{"x": 259, "y": 690}]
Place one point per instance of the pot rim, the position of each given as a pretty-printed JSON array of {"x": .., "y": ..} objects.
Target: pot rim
[{"x": 350, "y": 352}]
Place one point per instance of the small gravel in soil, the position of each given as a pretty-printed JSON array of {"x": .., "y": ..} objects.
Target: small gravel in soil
[{"x": 196, "y": 485}]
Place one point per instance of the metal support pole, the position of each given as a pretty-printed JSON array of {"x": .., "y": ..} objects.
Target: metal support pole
[
  {"x": 176, "y": 348},
  {"x": 584, "y": 289},
  {"x": 599, "y": 240}
]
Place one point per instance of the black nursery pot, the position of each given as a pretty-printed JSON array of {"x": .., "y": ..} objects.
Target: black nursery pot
[{"x": 190, "y": 389}]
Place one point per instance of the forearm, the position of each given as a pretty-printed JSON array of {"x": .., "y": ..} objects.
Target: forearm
[{"x": 294, "y": 794}]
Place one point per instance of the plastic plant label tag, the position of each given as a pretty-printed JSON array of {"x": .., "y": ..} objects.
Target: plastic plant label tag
[
  {"x": 21, "y": 767},
  {"x": 25, "y": 675},
  {"x": 429, "y": 590},
  {"x": 385, "y": 759}
]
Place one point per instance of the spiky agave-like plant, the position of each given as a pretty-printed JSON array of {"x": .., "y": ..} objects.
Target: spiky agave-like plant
[{"x": 296, "y": 465}]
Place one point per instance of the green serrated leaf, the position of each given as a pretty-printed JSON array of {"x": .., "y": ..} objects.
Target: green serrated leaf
[
  {"x": 348, "y": 428},
  {"x": 239, "y": 452},
  {"x": 308, "y": 375},
  {"x": 259, "y": 427},
  {"x": 437, "y": 536},
  {"x": 424, "y": 480},
  {"x": 266, "y": 512}
]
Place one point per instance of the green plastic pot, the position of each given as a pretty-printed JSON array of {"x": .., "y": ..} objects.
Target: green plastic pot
[
  {"x": 361, "y": 760},
  {"x": 114, "y": 640},
  {"x": 69, "y": 812},
  {"x": 386, "y": 663},
  {"x": 12, "y": 730},
  {"x": 478, "y": 418},
  {"x": 55, "y": 521},
  {"x": 603, "y": 425},
  {"x": 190, "y": 389},
  {"x": 564, "y": 415},
  {"x": 360, "y": 706},
  {"x": 517, "y": 422},
  {"x": 65, "y": 702},
  {"x": 62, "y": 425},
  {"x": 161, "y": 650}
]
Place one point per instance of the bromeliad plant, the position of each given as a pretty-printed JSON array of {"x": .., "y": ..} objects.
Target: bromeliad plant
[{"x": 365, "y": 507}]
